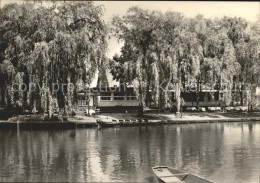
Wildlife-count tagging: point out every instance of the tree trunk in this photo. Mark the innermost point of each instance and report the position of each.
(251, 99)
(241, 96)
(178, 91)
(146, 65)
(198, 93)
(178, 97)
(148, 96)
(2, 96)
(140, 108)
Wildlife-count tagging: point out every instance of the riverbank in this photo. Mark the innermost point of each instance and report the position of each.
(126, 119)
(36, 122)
(187, 118)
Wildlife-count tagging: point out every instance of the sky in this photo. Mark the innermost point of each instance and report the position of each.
(247, 10)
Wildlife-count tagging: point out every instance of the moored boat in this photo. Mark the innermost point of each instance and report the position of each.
(103, 124)
(166, 174)
(106, 121)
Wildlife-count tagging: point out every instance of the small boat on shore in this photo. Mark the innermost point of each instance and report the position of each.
(106, 121)
(102, 124)
(166, 174)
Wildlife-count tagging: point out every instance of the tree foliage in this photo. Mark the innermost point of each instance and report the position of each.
(49, 46)
(164, 48)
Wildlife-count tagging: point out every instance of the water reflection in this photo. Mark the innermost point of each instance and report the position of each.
(222, 152)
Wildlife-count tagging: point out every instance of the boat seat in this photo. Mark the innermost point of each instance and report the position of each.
(177, 174)
(182, 175)
(171, 179)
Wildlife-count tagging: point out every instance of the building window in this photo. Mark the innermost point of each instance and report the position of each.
(119, 96)
(105, 96)
(202, 97)
(81, 101)
(216, 96)
(188, 97)
(131, 96)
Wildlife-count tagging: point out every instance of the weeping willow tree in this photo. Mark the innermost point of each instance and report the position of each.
(220, 64)
(178, 55)
(227, 56)
(245, 40)
(160, 49)
(136, 30)
(51, 49)
(253, 53)
(7, 76)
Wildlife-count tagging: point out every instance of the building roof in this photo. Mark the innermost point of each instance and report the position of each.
(104, 77)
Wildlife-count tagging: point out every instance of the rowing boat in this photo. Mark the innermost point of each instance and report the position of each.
(166, 174)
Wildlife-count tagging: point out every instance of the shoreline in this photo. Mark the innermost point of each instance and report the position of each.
(122, 119)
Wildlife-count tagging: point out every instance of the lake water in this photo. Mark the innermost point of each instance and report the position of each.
(221, 152)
